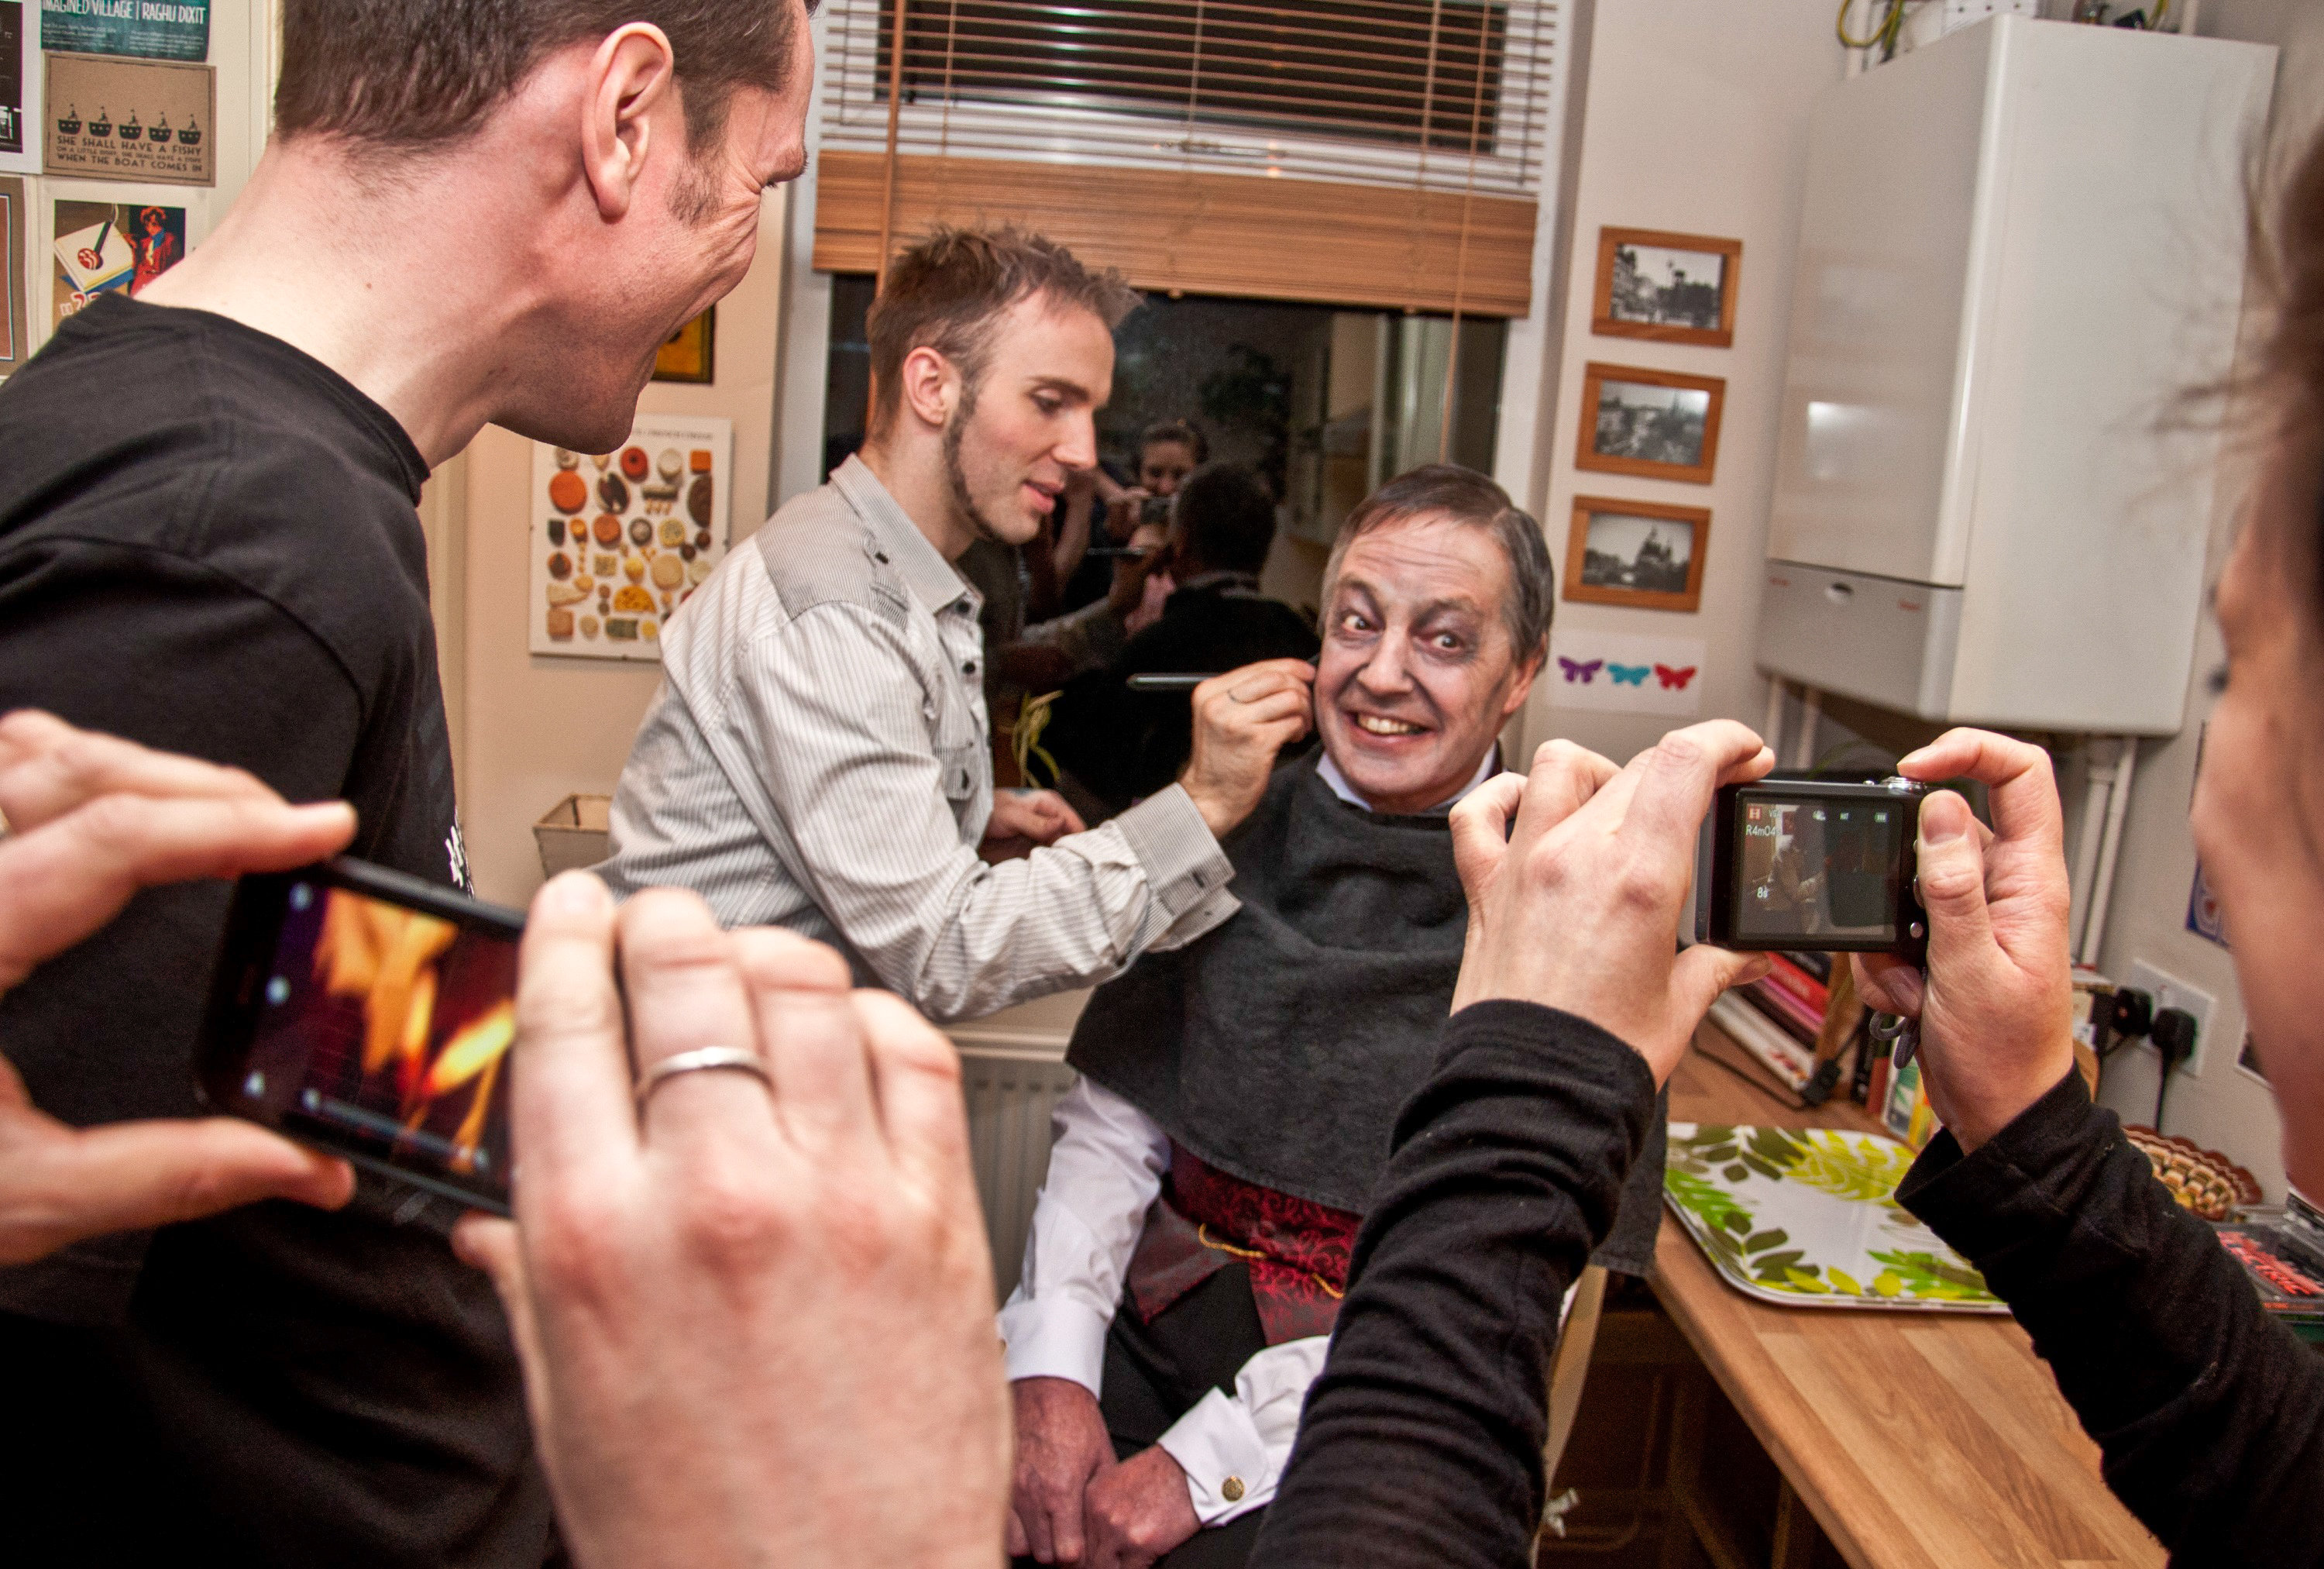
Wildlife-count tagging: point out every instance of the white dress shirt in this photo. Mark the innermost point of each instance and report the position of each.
(1106, 1163)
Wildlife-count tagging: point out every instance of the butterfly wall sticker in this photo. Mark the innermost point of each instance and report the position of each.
(1626, 673)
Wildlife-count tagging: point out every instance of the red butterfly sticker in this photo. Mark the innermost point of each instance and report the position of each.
(1673, 680)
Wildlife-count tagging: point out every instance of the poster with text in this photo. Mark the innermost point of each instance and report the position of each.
(1617, 673)
(131, 119)
(20, 87)
(99, 238)
(620, 539)
(145, 29)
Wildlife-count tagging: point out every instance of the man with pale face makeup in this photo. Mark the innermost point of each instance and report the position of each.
(1237, 1094)
(819, 754)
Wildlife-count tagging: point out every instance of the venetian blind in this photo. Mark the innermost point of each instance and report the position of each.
(1381, 152)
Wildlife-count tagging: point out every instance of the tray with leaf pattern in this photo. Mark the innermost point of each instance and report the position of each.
(1808, 1217)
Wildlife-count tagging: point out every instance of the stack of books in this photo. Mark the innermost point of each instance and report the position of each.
(1781, 1020)
(1794, 994)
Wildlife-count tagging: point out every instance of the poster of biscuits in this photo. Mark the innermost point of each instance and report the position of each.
(621, 539)
(131, 119)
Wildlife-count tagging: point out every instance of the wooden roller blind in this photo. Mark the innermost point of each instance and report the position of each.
(1376, 152)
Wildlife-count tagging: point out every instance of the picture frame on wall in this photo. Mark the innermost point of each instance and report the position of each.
(1649, 424)
(691, 355)
(1642, 555)
(15, 288)
(20, 86)
(1670, 288)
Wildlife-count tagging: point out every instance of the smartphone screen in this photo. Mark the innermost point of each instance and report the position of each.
(1807, 868)
(361, 1019)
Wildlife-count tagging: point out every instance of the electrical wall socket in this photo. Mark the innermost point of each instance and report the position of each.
(2170, 991)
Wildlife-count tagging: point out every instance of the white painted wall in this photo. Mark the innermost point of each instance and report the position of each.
(1695, 120)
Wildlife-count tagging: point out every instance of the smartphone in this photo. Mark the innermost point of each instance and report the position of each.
(369, 1014)
(1810, 864)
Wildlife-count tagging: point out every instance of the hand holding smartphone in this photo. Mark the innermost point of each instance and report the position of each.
(371, 1015)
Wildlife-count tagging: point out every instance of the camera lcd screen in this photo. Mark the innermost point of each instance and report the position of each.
(1805, 869)
(384, 1031)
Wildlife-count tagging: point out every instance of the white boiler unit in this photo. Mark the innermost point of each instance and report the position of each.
(2021, 253)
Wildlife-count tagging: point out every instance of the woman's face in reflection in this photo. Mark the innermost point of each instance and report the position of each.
(1164, 466)
(1417, 674)
(2259, 804)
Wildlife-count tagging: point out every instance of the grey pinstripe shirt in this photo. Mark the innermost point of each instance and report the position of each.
(817, 757)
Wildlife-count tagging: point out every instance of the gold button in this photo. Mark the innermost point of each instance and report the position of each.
(1232, 1490)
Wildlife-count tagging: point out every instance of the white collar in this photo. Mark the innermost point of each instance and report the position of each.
(1342, 788)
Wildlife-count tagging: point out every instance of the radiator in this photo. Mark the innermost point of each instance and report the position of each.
(1010, 1095)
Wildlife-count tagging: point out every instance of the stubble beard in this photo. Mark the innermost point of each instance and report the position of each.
(956, 476)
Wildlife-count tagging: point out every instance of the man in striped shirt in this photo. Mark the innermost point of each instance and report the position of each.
(818, 755)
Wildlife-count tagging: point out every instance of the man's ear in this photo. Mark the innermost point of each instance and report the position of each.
(630, 75)
(930, 385)
(1523, 685)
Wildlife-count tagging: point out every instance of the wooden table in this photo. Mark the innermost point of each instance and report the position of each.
(1935, 1440)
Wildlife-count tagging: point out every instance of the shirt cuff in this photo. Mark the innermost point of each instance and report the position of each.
(1219, 1448)
(1182, 862)
(1055, 1337)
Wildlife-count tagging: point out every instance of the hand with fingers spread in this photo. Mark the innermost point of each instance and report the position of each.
(92, 819)
(1608, 854)
(1061, 1445)
(1997, 1014)
(755, 1315)
(1242, 720)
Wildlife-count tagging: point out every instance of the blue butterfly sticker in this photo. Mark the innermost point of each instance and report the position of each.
(1575, 670)
(1635, 675)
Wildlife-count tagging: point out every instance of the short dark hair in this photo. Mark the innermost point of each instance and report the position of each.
(414, 74)
(1186, 432)
(1226, 518)
(1470, 498)
(945, 293)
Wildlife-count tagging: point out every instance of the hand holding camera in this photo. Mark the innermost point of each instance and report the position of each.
(1603, 853)
(1996, 1012)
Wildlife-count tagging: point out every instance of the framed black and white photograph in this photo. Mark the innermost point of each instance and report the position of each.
(1667, 287)
(16, 291)
(1654, 424)
(1644, 555)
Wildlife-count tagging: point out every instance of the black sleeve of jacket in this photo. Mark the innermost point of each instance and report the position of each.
(1421, 1440)
(2210, 1414)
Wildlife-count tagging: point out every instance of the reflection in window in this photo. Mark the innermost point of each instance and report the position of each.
(1314, 407)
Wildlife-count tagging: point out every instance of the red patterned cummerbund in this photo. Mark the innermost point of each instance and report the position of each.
(1295, 1249)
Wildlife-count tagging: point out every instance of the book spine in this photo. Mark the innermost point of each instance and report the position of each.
(1789, 977)
(1787, 1011)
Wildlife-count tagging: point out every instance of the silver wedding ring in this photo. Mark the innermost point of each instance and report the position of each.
(701, 1060)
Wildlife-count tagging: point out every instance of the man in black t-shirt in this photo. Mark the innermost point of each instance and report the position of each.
(468, 213)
